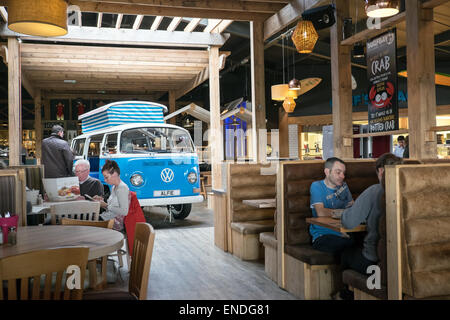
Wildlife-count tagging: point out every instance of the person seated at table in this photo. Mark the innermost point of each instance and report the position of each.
(88, 185)
(366, 209)
(117, 204)
(328, 195)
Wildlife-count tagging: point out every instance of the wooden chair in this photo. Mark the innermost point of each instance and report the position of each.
(23, 274)
(144, 239)
(92, 264)
(88, 210)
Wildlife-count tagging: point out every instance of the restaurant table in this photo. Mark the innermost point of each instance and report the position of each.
(261, 203)
(100, 241)
(46, 205)
(334, 224)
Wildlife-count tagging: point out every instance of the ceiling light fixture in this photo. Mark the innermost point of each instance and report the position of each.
(305, 36)
(382, 8)
(43, 18)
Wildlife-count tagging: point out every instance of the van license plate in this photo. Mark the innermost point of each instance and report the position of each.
(166, 193)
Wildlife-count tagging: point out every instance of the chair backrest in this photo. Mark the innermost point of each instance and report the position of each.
(134, 216)
(33, 175)
(12, 192)
(80, 210)
(108, 224)
(144, 240)
(23, 274)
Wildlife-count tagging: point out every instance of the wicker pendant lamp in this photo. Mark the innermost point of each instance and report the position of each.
(382, 8)
(305, 36)
(44, 18)
(289, 104)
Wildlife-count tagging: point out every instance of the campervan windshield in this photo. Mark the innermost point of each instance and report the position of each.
(155, 139)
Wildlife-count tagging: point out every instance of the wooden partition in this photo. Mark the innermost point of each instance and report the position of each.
(12, 192)
(418, 231)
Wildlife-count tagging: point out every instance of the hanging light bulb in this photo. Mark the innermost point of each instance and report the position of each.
(305, 36)
(382, 8)
(294, 84)
(289, 104)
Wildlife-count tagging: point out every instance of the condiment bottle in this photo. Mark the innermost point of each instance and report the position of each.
(1, 236)
(12, 236)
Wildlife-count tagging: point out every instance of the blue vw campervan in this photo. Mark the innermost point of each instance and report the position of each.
(156, 160)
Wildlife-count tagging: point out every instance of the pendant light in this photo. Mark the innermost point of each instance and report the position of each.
(289, 104)
(382, 8)
(44, 18)
(294, 84)
(305, 36)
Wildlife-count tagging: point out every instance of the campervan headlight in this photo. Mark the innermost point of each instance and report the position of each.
(192, 177)
(136, 180)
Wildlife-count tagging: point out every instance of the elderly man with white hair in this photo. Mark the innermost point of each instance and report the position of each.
(88, 185)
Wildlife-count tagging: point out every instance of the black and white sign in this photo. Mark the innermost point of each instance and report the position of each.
(382, 76)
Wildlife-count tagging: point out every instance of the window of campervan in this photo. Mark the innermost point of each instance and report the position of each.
(155, 139)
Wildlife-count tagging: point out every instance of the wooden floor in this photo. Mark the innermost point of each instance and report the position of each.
(186, 265)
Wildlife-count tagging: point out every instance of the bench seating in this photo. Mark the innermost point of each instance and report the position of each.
(247, 222)
(270, 254)
(309, 273)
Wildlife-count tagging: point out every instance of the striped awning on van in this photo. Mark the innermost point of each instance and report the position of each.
(124, 112)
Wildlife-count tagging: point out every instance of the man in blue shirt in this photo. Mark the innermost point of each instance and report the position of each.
(328, 196)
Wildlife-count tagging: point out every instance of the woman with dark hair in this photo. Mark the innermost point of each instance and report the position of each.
(118, 202)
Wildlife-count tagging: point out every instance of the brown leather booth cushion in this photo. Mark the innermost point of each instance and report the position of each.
(253, 227)
(307, 254)
(359, 281)
(268, 238)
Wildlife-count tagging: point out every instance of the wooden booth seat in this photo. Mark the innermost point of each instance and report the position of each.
(309, 273)
(421, 193)
(246, 223)
(270, 254)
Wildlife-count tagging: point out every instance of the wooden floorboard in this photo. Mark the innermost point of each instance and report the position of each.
(187, 265)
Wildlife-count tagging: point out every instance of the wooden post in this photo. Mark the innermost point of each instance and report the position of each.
(38, 123)
(258, 89)
(421, 81)
(47, 109)
(284, 133)
(14, 102)
(215, 132)
(341, 85)
(172, 106)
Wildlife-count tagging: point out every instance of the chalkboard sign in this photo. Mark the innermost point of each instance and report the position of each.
(382, 76)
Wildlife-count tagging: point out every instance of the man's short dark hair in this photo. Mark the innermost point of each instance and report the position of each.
(387, 159)
(401, 138)
(57, 129)
(331, 161)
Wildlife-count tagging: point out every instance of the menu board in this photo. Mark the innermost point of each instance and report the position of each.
(382, 76)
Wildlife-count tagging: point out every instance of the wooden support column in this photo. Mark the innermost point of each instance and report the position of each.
(421, 81)
(14, 102)
(341, 85)
(47, 109)
(284, 133)
(38, 124)
(215, 132)
(258, 90)
(172, 106)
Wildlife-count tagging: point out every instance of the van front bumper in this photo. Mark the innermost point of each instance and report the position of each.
(167, 201)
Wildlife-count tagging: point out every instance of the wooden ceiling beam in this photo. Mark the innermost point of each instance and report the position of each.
(138, 21)
(39, 75)
(287, 15)
(99, 19)
(174, 24)
(192, 25)
(218, 12)
(129, 37)
(203, 5)
(119, 21)
(156, 23)
(118, 70)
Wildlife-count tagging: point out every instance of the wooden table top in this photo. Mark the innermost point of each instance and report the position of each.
(261, 203)
(45, 206)
(101, 241)
(334, 224)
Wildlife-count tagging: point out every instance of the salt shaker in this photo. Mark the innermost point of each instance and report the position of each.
(12, 236)
(1, 236)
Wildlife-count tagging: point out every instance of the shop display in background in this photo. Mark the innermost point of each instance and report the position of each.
(312, 144)
(443, 145)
